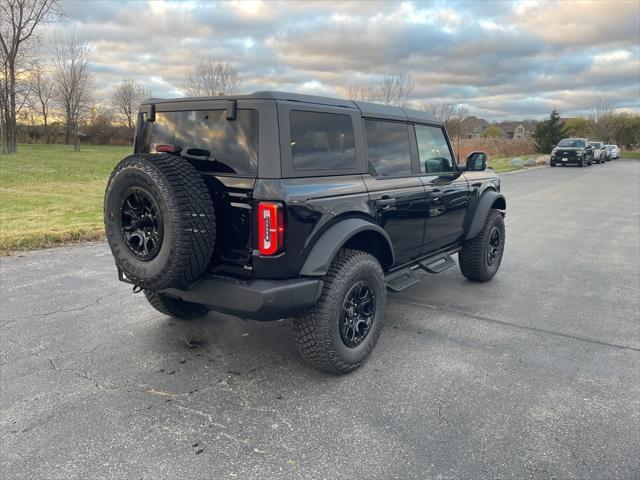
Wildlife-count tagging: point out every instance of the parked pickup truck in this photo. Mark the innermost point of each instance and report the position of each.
(275, 205)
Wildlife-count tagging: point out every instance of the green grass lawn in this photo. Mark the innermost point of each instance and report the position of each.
(50, 194)
(630, 155)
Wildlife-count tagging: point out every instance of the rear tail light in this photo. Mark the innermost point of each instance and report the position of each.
(270, 228)
(165, 148)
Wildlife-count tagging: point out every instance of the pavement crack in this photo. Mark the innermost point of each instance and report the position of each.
(513, 325)
(62, 310)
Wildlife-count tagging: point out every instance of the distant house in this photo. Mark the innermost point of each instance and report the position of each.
(472, 127)
(518, 130)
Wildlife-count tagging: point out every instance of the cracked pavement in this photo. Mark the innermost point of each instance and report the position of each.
(535, 374)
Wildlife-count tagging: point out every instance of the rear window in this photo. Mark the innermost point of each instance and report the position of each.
(388, 148)
(321, 141)
(207, 137)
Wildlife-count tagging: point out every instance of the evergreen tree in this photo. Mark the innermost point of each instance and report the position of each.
(548, 133)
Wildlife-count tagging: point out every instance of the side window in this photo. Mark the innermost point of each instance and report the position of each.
(388, 147)
(435, 156)
(321, 141)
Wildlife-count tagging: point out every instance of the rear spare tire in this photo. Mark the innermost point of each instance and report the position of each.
(159, 220)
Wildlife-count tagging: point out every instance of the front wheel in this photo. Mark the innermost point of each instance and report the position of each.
(481, 256)
(338, 333)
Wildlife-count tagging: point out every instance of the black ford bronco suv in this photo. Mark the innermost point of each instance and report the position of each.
(274, 205)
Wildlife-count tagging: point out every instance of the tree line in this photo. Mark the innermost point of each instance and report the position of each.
(62, 87)
(42, 81)
(604, 125)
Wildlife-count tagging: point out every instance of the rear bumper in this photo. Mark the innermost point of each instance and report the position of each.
(256, 299)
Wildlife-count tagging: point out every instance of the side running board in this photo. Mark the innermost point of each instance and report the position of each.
(437, 264)
(406, 277)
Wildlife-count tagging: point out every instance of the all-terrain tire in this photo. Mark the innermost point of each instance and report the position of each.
(317, 331)
(185, 208)
(474, 256)
(174, 307)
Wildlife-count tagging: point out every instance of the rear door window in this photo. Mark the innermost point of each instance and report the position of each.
(433, 150)
(388, 148)
(321, 141)
(208, 138)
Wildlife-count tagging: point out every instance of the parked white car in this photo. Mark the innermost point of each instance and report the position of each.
(614, 151)
(600, 154)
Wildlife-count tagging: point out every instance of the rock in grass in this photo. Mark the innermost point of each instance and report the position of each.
(516, 162)
(529, 162)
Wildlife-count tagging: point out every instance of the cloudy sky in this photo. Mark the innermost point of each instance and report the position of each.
(501, 59)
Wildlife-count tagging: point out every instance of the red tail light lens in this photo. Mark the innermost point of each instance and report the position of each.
(165, 148)
(270, 228)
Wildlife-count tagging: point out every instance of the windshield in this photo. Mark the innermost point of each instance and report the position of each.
(571, 143)
(595, 144)
(206, 137)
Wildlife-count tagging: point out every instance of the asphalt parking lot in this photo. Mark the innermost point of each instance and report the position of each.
(535, 374)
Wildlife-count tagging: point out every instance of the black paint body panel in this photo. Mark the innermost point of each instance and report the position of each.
(408, 217)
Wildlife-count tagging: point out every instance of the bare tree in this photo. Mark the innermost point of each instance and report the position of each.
(73, 81)
(363, 93)
(442, 111)
(42, 88)
(603, 121)
(18, 22)
(127, 98)
(396, 88)
(454, 126)
(211, 78)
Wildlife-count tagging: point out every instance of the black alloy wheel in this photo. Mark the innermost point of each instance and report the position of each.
(358, 312)
(494, 245)
(142, 225)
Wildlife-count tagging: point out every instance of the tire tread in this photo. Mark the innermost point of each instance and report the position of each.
(472, 259)
(190, 210)
(313, 328)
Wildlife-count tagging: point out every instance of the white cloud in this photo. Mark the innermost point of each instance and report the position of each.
(502, 59)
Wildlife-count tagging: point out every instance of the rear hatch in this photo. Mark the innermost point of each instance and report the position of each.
(225, 152)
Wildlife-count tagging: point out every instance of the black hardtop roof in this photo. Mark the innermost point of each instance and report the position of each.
(367, 109)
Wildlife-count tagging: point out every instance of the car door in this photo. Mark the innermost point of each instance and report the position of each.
(447, 190)
(396, 194)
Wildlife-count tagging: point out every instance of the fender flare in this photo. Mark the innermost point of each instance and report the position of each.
(483, 206)
(326, 247)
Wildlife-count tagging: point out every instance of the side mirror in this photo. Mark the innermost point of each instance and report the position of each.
(476, 162)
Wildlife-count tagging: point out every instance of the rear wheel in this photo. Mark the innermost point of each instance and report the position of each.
(340, 330)
(481, 256)
(174, 307)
